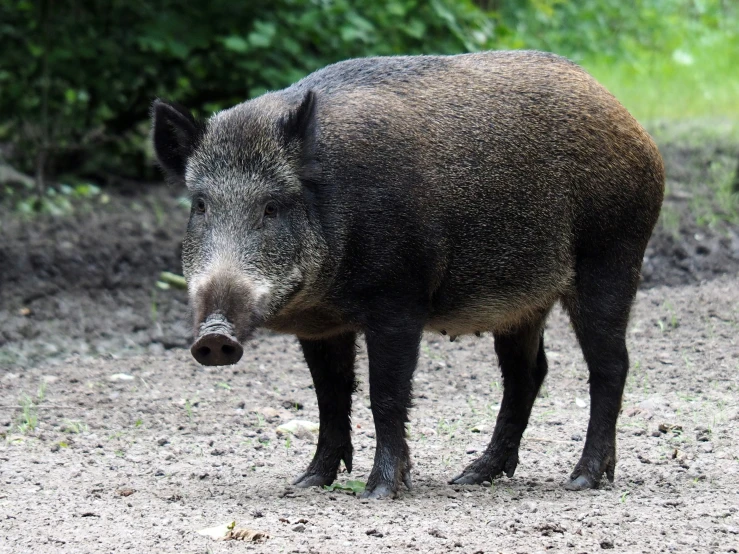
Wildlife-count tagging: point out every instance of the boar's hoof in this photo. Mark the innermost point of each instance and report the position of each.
(216, 349)
(580, 483)
(313, 480)
(383, 490)
(487, 468)
(469, 479)
(587, 474)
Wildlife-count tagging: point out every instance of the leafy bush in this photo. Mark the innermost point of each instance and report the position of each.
(77, 78)
(661, 58)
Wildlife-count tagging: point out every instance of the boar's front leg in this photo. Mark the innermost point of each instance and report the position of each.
(393, 354)
(331, 364)
(524, 366)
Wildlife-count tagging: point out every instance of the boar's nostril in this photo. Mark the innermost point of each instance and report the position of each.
(228, 350)
(216, 349)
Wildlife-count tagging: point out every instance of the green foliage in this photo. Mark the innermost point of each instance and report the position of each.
(77, 78)
(661, 58)
(614, 30)
(55, 200)
(351, 487)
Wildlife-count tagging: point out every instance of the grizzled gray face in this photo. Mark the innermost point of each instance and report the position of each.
(251, 241)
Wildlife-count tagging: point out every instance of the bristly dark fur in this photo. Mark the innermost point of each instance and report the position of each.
(459, 194)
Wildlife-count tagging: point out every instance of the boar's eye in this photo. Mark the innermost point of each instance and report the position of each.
(199, 205)
(270, 210)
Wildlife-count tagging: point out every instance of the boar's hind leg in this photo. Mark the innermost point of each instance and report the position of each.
(393, 354)
(599, 310)
(331, 364)
(524, 366)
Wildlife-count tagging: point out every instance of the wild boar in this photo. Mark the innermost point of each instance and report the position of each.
(388, 196)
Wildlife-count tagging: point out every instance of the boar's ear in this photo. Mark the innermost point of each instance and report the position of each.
(176, 134)
(295, 124)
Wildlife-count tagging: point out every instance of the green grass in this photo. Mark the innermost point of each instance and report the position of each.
(694, 81)
(74, 426)
(188, 409)
(28, 420)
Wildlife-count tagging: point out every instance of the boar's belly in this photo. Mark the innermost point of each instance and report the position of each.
(496, 311)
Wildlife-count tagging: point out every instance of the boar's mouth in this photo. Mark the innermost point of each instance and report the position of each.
(217, 343)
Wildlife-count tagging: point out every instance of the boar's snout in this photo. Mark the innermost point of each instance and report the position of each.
(226, 309)
(215, 349)
(216, 344)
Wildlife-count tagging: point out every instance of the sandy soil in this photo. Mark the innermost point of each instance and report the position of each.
(198, 447)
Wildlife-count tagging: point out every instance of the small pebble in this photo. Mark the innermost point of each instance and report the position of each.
(702, 434)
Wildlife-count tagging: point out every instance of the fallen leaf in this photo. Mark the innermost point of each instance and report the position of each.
(127, 491)
(665, 427)
(219, 531)
(245, 535)
(354, 487)
(297, 427)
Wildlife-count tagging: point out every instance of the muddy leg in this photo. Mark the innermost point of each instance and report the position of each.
(331, 364)
(599, 311)
(524, 366)
(392, 359)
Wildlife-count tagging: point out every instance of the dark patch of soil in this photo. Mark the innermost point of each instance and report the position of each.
(690, 255)
(694, 241)
(85, 283)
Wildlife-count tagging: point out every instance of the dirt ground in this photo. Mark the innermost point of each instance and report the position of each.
(113, 439)
(199, 448)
